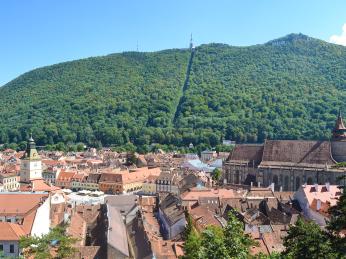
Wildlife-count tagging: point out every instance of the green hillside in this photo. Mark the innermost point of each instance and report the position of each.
(288, 88)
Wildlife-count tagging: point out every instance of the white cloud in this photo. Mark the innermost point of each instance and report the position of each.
(339, 39)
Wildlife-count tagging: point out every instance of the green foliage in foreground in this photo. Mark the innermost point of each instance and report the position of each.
(216, 242)
(289, 88)
(306, 240)
(41, 247)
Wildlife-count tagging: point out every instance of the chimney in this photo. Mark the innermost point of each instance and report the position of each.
(259, 184)
(328, 186)
(316, 187)
(251, 184)
(280, 188)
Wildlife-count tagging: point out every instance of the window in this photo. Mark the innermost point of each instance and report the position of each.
(1, 247)
(11, 249)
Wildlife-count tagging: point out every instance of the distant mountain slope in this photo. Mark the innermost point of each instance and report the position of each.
(287, 88)
(92, 99)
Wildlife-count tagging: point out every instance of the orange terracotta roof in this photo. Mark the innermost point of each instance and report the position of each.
(50, 162)
(323, 209)
(140, 174)
(204, 216)
(39, 185)
(77, 228)
(19, 204)
(148, 201)
(86, 252)
(78, 176)
(65, 176)
(57, 213)
(196, 194)
(28, 221)
(10, 231)
(259, 246)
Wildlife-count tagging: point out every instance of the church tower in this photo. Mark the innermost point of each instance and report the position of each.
(31, 166)
(339, 140)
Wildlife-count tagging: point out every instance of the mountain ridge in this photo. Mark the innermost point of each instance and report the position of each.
(294, 36)
(290, 87)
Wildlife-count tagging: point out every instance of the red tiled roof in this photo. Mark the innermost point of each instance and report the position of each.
(195, 194)
(50, 162)
(65, 176)
(204, 216)
(77, 228)
(10, 231)
(39, 185)
(19, 204)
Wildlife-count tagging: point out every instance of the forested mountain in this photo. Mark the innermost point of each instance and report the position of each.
(289, 88)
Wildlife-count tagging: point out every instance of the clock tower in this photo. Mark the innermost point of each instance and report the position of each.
(31, 166)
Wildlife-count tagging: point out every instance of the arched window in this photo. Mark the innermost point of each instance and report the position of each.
(237, 176)
(310, 181)
(286, 183)
(297, 183)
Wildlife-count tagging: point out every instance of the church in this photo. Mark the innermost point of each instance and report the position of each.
(287, 164)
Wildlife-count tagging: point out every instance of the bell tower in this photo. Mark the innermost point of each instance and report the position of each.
(339, 140)
(31, 165)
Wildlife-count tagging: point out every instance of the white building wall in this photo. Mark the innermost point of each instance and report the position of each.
(317, 217)
(42, 219)
(309, 213)
(30, 169)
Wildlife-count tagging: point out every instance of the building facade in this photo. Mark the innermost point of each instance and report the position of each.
(10, 182)
(287, 164)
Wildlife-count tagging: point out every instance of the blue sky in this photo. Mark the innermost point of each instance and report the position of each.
(35, 33)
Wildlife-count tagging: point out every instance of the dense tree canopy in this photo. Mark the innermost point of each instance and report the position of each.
(288, 88)
(308, 240)
(215, 242)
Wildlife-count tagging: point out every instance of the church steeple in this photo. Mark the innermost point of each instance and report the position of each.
(31, 152)
(339, 131)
